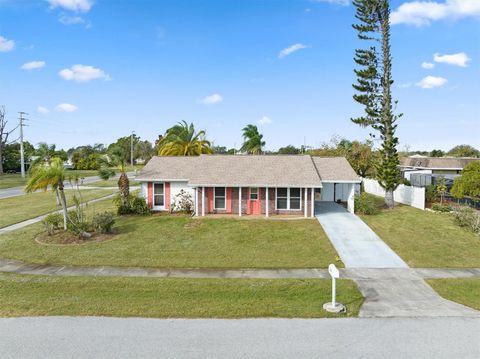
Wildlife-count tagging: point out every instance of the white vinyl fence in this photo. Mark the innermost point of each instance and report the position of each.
(412, 196)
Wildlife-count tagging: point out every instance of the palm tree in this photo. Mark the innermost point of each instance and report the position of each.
(252, 140)
(117, 158)
(182, 140)
(51, 174)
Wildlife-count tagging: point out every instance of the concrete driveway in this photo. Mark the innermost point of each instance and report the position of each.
(357, 245)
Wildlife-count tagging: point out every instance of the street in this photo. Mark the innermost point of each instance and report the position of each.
(96, 337)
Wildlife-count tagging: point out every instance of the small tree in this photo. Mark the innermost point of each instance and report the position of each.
(468, 184)
(4, 134)
(253, 142)
(441, 188)
(116, 158)
(45, 175)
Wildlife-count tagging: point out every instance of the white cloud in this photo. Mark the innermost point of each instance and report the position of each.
(265, 120)
(42, 110)
(71, 20)
(212, 99)
(66, 107)
(430, 82)
(422, 13)
(83, 73)
(336, 2)
(32, 65)
(6, 45)
(291, 49)
(72, 5)
(428, 65)
(461, 59)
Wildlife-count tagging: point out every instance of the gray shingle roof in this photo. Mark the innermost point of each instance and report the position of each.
(240, 170)
(335, 169)
(453, 163)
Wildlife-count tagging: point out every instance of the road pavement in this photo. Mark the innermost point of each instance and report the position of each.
(97, 337)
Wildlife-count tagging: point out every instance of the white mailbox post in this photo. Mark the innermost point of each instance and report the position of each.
(333, 306)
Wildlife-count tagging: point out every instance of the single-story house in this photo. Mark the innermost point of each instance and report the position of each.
(423, 170)
(249, 185)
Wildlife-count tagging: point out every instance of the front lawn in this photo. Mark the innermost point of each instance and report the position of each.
(27, 295)
(183, 242)
(426, 239)
(20, 208)
(461, 290)
(12, 180)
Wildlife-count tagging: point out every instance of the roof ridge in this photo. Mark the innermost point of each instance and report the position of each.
(316, 169)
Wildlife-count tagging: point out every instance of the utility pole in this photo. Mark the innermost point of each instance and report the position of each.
(131, 148)
(22, 158)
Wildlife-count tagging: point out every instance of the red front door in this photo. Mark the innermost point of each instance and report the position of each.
(255, 204)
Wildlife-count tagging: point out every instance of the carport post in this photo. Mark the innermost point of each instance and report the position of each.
(313, 202)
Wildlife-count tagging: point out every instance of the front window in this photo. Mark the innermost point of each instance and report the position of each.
(295, 198)
(158, 194)
(254, 193)
(282, 198)
(289, 198)
(219, 198)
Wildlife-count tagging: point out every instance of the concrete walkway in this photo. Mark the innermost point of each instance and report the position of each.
(355, 242)
(388, 292)
(28, 222)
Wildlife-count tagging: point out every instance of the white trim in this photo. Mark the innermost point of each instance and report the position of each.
(196, 202)
(140, 179)
(288, 199)
(359, 181)
(313, 202)
(305, 205)
(239, 201)
(203, 201)
(224, 198)
(162, 207)
(266, 203)
(258, 185)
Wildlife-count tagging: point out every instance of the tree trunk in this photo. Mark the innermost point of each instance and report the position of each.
(1, 157)
(64, 206)
(389, 202)
(124, 187)
(57, 197)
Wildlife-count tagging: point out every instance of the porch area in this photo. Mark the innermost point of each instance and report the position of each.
(255, 201)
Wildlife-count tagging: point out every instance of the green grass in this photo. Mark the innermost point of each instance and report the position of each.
(461, 290)
(27, 295)
(20, 208)
(426, 239)
(11, 180)
(183, 242)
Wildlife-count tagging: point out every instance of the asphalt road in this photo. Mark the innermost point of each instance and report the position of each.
(69, 337)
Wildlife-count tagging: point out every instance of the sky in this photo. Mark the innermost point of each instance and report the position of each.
(90, 71)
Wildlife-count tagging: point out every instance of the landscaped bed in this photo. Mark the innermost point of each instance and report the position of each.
(426, 239)
(20, 208)
(183, 242)
(461, 290)
(28, 295)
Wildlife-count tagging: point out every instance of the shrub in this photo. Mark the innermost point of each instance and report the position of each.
(439, 207)
(53, 222)
(78, 224)
(138, 205)
(103, 222)
(468, 218)
(183, 202)
(430, 193)
(123, 209)
(365, 204)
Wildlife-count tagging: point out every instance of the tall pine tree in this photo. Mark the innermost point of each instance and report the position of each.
(373, 86)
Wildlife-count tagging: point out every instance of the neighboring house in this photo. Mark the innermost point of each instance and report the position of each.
(423, 171)
(243, 185)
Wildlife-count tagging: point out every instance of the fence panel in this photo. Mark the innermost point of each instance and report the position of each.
(409, 195)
